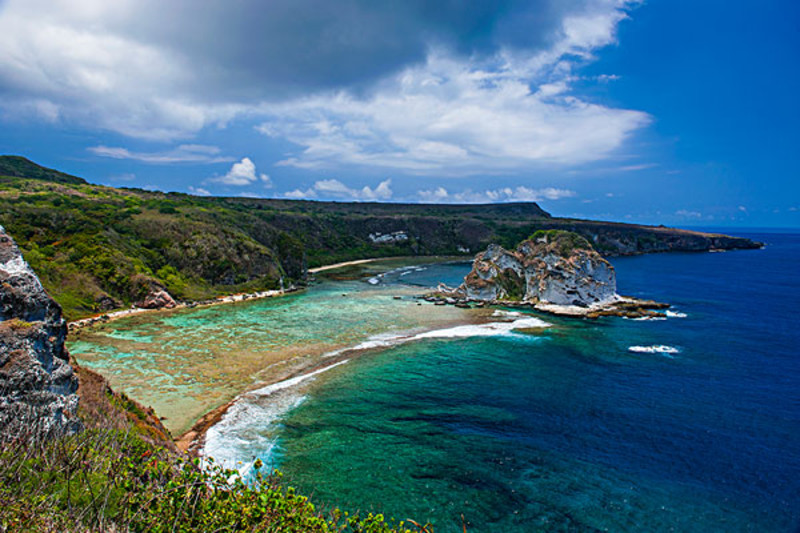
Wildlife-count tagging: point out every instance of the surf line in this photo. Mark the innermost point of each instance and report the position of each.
(193, 441)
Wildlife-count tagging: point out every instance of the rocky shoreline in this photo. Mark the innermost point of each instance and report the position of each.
(623, 306)
(77, 325)
(554, 271)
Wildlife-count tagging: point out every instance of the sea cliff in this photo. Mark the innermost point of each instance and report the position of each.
(555, 271)
(99, 249)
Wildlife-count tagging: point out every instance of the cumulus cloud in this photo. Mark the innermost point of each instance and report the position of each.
(418, 86)
(199, 191)
(332, 188)
(686, 213)
(505, 194)
(243, 173)
(185, 153)
(457, 117)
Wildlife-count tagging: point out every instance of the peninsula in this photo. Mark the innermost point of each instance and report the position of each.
(99, 249)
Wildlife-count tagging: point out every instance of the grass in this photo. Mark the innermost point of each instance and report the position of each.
(123, 474)
(114, 480)
(565, 242)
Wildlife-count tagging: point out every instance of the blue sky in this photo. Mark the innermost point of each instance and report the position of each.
(676, 112)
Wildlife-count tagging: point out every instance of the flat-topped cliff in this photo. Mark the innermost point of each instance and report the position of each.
(99, 249)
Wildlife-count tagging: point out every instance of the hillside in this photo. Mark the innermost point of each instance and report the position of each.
(98, 248)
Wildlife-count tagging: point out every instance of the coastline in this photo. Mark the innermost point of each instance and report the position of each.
(482, 322)
(191, 440)
(227, 299)
(230, 298)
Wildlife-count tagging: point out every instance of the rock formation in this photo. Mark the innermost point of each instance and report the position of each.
(551, 267)
(37, 384)
(158, 299)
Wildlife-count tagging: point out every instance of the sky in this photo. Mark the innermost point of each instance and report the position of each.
(672, 112)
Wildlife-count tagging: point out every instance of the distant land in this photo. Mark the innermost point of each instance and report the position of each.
(99, 248)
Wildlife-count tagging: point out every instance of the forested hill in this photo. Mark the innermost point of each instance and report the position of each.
(97, 248)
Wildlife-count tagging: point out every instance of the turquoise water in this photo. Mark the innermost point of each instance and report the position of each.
(566, 429)
(558, 428)
(185, 363)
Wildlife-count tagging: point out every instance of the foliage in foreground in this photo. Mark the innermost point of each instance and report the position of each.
(113, 480)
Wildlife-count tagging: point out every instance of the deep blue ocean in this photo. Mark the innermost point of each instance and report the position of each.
(566, 429)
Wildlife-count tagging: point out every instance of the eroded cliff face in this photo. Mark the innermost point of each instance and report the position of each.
(37, 384)
(554, 267)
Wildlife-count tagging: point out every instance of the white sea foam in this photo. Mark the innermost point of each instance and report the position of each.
(246, 431)
(490, 329)
(676, 314)
(376, 341)
(649, 318)
(500, 312)
(373, 281)
(661, 349)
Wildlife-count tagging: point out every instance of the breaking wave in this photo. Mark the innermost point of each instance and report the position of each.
(661, 349)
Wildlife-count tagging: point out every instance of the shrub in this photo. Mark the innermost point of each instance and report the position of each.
(102, 480)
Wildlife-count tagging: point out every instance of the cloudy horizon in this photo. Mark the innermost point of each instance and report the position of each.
(579, 105)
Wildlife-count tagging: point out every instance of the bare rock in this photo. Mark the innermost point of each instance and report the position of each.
(552, 267)
(37, 384)
(158, 298)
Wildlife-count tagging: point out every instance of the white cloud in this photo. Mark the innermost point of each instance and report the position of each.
(635, 168)
(688, 214)
(243, 173)
(185, 153)
(450, 118)
(199, 191)
(431, 102)
(138, 69)
(506, 194)
(332, 188)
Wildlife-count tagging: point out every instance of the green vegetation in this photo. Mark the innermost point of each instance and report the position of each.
(113, 480)
(99, 248)
(14, 165)
(565, 242)
(124, 474)
(512, 284)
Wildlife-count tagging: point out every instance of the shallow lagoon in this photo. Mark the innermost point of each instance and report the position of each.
(187, 362)
(563, 428)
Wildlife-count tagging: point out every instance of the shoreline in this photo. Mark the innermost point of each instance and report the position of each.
(81, 323)
(192, 441)
(226, 299)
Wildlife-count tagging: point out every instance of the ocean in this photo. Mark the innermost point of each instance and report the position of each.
(517, 422)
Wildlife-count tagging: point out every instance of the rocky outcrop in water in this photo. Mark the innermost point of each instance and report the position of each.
(552, 267)
(37, 384)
